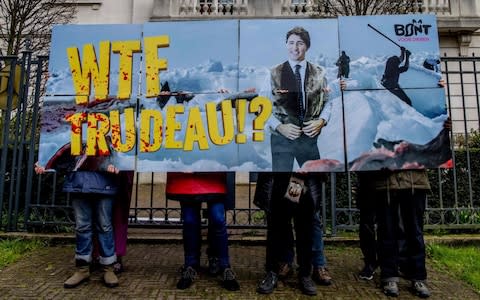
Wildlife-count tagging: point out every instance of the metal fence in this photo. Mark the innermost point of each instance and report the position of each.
(21, 87)
(31, 203)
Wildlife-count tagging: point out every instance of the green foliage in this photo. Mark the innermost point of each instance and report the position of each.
(460, 262)
(472, 140)
(9, 219)
(54, 220)
(460, 175)
(258, 217)
(12, 250)
(469, 217)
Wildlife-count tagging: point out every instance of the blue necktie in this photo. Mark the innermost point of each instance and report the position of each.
(301, 111)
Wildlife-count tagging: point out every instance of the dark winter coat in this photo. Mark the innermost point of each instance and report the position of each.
(398, 180)
(264, 188)
(91, 182)
(84, 174)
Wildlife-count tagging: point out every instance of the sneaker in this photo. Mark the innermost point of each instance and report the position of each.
(390, 288)
(307, 286)
(268, 283)
(187, 277)
(420, 289)
(284, 271)
(321, 276)
(213, 266)
(229, 281)
(367, 272)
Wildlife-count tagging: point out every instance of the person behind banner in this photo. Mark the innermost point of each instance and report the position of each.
(93, 187)
(405, 191)
(367, 232)
(392, 74)
(298, 90)
(280, 238)
(279, 258)
(192, 189)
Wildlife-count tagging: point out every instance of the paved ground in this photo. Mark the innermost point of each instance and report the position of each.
(152, 272)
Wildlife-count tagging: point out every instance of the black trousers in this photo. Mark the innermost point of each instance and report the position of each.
(279, 228)
(367, 233)
(412, 207)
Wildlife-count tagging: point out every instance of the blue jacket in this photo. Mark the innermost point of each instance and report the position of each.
(91, 182)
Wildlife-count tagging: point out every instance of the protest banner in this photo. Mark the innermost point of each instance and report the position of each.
(224, 95)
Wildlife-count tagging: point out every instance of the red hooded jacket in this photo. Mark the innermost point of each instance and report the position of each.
(196, 183)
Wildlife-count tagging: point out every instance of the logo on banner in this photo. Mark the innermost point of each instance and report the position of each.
(416, 31)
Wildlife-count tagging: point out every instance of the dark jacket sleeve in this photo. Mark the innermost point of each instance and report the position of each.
(230, 197)
(314, 184)
(263, 191)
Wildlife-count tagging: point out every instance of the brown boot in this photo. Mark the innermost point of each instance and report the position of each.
(82, 274)
(109, 277)
(321, 276)
(285, 270)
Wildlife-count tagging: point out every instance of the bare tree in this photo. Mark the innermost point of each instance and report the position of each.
(28, 24)
(30, 21)
(367, 7)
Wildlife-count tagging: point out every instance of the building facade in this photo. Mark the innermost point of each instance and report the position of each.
(458, 20)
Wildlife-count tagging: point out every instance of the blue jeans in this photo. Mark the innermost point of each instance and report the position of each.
(93, 210)
(318, 257)
(192, 238)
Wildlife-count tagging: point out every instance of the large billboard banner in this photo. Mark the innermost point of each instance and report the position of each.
(248, 95)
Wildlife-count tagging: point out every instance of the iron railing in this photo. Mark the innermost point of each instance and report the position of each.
(31, 202)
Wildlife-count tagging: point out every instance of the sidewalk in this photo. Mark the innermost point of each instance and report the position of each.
(152, 272)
